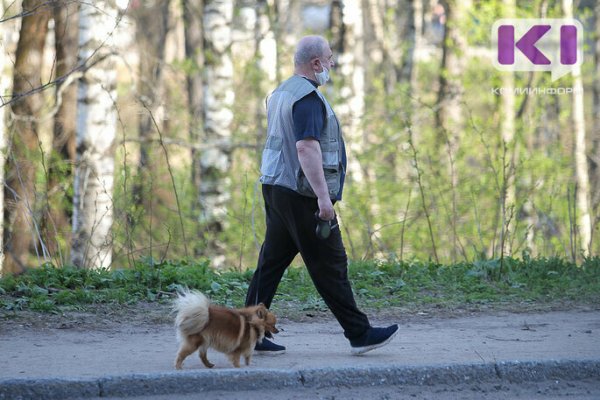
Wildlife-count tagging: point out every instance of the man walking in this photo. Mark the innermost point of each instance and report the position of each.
(303, 171)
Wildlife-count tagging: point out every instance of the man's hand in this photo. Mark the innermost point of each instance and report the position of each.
(309, 154)
(326, 211)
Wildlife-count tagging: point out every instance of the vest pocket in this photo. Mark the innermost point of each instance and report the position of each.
(332, 178)
(330, 154)
(271, 157)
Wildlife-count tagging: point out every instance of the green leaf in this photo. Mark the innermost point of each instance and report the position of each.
(215, 286)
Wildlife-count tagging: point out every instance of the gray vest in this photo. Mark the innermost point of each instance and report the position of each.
(280, 165)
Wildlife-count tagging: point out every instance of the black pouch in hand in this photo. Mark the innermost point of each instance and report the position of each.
(324, 228)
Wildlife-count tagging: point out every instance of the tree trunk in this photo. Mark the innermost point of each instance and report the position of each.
(266, 47)
(507, 128)
(450, 92)
(266, 58)
(595, 165)
(150, 45)
(375, 50)
(454, 46)
(151, 27)
(275, 10)
(419, 23)
(194, 53)
(58, 209)
(4, 90)
(152, 24)
(348, 46)
(287, 26)
(406, 18)
(19, 190)
(581, 164)
(96, 129)
(449, 115)
(215, 161)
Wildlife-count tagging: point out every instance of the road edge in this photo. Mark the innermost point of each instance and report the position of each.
(186, 382)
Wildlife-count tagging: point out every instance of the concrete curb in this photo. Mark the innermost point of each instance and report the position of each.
(245, 380)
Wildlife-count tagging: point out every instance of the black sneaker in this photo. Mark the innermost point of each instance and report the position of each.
(268, 348)
(373, 339)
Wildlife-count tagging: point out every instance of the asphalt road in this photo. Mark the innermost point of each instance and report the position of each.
(547, 390)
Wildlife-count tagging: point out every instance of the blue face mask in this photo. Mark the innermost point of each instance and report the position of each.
(322, 77)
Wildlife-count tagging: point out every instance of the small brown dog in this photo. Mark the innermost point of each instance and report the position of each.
(235, 332)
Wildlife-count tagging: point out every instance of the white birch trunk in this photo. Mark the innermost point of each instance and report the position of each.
(4, 90)
(267, 45)
(219, 96)
(194, 52)
(266, 55)
(351, 67)
(418, 18)
(581, 164)
(96, 129)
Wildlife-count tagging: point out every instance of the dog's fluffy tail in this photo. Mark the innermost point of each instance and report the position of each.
(192, 312)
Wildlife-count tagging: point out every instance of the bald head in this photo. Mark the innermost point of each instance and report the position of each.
(308, 48)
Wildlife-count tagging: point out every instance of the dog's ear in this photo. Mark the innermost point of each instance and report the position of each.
(261, 312)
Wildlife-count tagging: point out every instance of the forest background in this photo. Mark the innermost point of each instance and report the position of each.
(134, 129)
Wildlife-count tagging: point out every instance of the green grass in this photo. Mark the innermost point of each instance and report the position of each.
(378, 285)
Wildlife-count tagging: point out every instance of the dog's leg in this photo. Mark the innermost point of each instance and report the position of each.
(185, 350)
(203, 346)
(204, 359)
(247, 355)
(235, 358)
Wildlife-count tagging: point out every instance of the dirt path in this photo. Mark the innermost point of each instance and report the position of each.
(82, 345)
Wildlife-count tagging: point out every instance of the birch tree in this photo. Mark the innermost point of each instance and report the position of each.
(96, 129)
(215, 160)
(266, 59)
(194, 54)
(581, 164)
(507, 128)
(21, 226)
(596, 124)
(254, 35)
(59, 206)
(4, 90)
(350, 51)
(266, 44)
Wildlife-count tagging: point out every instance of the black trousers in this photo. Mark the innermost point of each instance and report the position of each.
(291, 226)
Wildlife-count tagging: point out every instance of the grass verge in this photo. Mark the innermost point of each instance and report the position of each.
(378, 285)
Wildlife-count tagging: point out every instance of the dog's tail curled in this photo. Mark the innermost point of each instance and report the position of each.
(192, 312)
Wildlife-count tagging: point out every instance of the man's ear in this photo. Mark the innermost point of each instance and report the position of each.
(315, 64)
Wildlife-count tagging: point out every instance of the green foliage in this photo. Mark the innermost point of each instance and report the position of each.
(383, 214)
(47, 288)
(376, 284)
